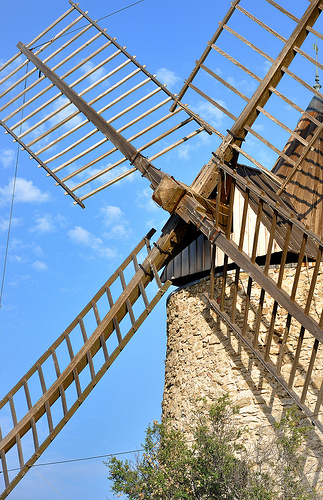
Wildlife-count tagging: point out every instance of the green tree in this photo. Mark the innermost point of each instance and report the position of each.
(210, 462)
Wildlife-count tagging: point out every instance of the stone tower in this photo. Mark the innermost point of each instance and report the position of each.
(207, 358)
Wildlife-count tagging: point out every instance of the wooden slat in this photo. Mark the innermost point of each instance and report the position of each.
(33, 425)
(141, 286)
(236, 63)
(47, 407)
(240, 247)
(61, 389)
(96, 313)
(284, 11)
(224, 82)
(282, 125)
(309, 370)
(18, 441)
(248, 43)
(4, 465)
(261, 23)
(213, 102)
(85, 338)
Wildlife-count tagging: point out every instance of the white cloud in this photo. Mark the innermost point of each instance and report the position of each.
(266, 66)
(168, 77)
(184, 151)
(94, 76)
(211, 113)
(26, 192)
(65, 113)
(243, 85)
(119, 227)
(44, 224)
(4, 223)
(145, 201)
(7, 157)
(83, 237)
(38, 265)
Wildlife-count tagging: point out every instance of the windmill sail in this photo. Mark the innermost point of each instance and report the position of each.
(121, 90)
(71, 367)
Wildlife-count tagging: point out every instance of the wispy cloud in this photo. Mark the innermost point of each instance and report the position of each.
(39, 266)
(248, 86)
(99, 73)
(145, 201)
(7, 157)
(26, 192)
(65, 113)
(168, 77)
(44, 224)
(83, 237)
(114, 220)
(266, 66)
(211, 113)
(4, 223)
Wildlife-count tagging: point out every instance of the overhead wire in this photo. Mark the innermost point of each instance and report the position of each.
(12, 197)
(82, 459)
(50, 484)
(84, 26)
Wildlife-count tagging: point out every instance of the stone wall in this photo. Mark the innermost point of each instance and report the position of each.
(205, 358)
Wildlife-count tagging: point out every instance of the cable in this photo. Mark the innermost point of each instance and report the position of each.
(81, 27)
(80, 459)
(50, 484)
(12, 198)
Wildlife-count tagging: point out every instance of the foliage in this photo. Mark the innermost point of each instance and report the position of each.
(213, 463)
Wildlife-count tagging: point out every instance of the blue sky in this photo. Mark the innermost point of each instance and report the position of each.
(60, 255)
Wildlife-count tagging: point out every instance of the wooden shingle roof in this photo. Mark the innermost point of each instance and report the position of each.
(306, 187)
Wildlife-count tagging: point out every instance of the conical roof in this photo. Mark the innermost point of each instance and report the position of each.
(306, 187)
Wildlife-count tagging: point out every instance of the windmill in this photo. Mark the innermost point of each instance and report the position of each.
(47, 72)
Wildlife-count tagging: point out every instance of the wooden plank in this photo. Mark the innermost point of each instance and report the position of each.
(85, 338)
(240, 247)
(47, 407)
(248, 43)
(213, 256)
(61, 389)
(270, 145)
(96, 312)
(236, 63)
(18, 441)
(141, 286)
(284, 11)
(4, 466)
(282, 125)
(261, 23)
(33, 425)
(296, 357)
(224, 82)
(309, 370)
